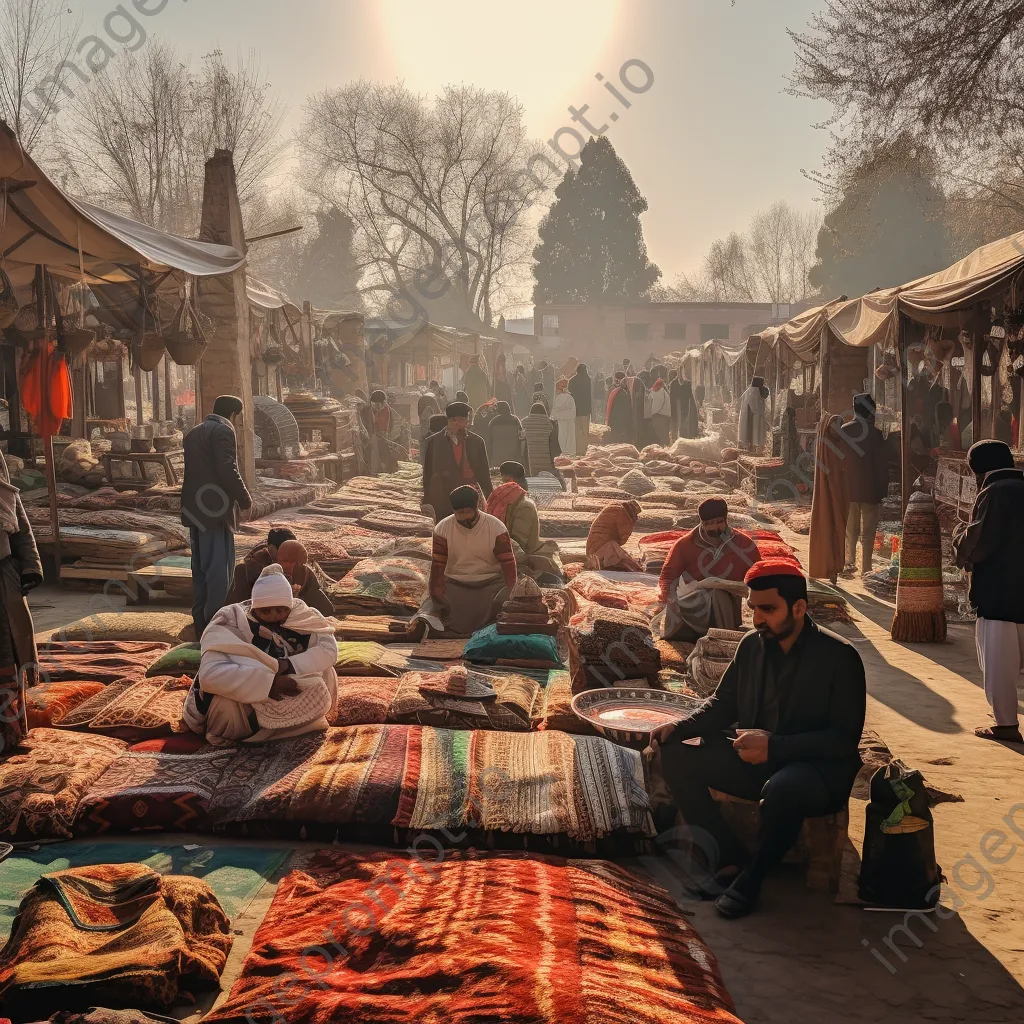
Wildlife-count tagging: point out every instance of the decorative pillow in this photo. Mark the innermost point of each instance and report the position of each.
(182, 660)
(163, 626)
(553, 711)
(48, 703)
(42, 782)
(143, 791)
(147, 709)
(487, 647)
(84, 713)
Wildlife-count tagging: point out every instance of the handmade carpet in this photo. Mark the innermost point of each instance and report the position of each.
(153, 792)
(440, 650)
(368, 658)
(114, 934)
(553, 708)
(79, 717)
(612, 644)
(42, 782)
(381, 629)
(510, 709)
(380, 585)
(346, 776)
(477, 937)
(637, 596)
(100, 661)
(147, 709)
(48, 703)
(920, 606)
(126, 625)
(364, 700)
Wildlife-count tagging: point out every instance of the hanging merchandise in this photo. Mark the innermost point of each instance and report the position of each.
(8, 303)
(46, 393)
(186, 338)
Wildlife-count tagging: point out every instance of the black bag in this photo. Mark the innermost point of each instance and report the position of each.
(898, 868)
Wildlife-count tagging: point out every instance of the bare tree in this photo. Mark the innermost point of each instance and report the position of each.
(139, 137)
(768, 263)
(439, 193)
(918, 64)
(36, 39)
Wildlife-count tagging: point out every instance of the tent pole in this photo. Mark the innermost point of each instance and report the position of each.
(905, 465)
(51, 488)
(976, 427)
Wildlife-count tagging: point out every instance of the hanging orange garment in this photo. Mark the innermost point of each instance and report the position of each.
(46, 393)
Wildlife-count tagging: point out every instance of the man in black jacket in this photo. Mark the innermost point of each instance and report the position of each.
(451, 458)
(866, 464)
(211, 494)
(581, 389)
(784, 728)
(991, 547)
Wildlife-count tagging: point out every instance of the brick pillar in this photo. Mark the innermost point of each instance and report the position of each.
(226, 367)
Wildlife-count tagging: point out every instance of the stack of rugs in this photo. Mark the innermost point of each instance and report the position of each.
(526, 612)
(394, 584)
(609, 645)
(711, 656)
(628, 591)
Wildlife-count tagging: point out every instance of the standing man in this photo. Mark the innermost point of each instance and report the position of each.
(752, 430)
(581, 387)
(783, 728)
(452, 458)
(991, 548)
(211, 495)
(867, 469)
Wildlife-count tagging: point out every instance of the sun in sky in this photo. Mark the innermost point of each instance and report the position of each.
(535, 49)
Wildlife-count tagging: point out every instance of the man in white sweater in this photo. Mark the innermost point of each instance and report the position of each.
(267, 668)
(472, 568)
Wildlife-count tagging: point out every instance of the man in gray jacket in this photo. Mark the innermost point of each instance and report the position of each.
(866, 465)
(211, 494)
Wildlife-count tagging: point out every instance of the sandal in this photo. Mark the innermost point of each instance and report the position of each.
(1000, 734)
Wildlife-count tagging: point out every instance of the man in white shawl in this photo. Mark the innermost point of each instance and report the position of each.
(752, 429)
(563, 412)
(267, 668)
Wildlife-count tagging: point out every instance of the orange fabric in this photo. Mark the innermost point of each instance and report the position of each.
(830, 504)
(46, 393)
(613, 523)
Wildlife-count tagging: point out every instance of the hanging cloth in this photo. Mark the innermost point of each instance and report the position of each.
(46, 388)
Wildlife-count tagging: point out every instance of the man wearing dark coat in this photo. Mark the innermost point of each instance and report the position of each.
(505, 440)
(211, 494)
(866, 465)
(452, 458)
(784, 728)
(580, 387)
(619, 412)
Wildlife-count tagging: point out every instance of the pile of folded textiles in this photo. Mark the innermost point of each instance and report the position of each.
(113, 935)
(566, 524)
(526, 612)
(711, 656)
(639, 593)
(100, 661)
(513, 923)
(612, 644)
(391, 583)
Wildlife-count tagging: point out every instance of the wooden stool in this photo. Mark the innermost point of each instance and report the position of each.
(820, 846)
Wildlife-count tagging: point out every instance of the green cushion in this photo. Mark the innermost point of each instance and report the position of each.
(179, 661)
(486, 646)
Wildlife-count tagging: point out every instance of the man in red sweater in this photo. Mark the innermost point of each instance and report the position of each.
(702, 581)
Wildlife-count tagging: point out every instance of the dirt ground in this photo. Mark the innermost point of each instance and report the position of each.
(801, 958)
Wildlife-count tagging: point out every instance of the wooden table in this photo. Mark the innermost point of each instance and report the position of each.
(142, 582)
(140, 459)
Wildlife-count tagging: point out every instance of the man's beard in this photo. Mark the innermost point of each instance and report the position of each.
(468, 524)
(767, 633)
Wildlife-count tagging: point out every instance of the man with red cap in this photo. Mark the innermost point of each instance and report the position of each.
(702, 579)
(783, 728)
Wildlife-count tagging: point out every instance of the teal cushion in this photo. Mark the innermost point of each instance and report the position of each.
(486, 646)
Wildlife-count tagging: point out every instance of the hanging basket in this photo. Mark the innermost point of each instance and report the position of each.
(78, 339)
(107, 349)
(273, 355)
(26, 320)
(150, 352)
(186, 338)
(8, 303)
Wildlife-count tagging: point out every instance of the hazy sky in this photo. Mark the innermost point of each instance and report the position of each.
(713, 140)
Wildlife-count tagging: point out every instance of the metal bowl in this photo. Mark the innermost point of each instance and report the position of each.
(629, 715)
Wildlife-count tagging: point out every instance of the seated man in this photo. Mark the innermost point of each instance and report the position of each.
(694, 602)
(267, 668)
(454, 457)
(281, 547)
(510, 503)
(608, 533)
(784, 728)
(472, 569)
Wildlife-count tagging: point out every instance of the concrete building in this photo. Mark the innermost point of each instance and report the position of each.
(605, 333)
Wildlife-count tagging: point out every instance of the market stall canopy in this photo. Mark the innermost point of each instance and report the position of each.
(803, 333)
(41, 225)
(729, 350)
(269, 300)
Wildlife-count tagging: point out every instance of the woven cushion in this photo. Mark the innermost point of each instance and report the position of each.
(42, 782)
(147, 709)
(182, 660)
(49, 703)
(487, 647)
(163, 626)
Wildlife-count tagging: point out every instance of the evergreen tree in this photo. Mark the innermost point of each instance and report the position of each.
(888, 225)
(325, 271)
(591, 242)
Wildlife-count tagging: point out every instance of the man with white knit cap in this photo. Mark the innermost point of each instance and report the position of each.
(267, 668)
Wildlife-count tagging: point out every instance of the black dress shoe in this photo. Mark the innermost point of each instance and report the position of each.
(739, 899)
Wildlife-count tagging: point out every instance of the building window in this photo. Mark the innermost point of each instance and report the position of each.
(675, 332)
(713, 332)
(550, 325)
(636, 332)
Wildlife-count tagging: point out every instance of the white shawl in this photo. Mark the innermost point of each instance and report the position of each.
(563, 412)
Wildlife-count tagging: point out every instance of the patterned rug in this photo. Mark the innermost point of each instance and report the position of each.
(440, 650)
(380, 585)
(501, 937)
